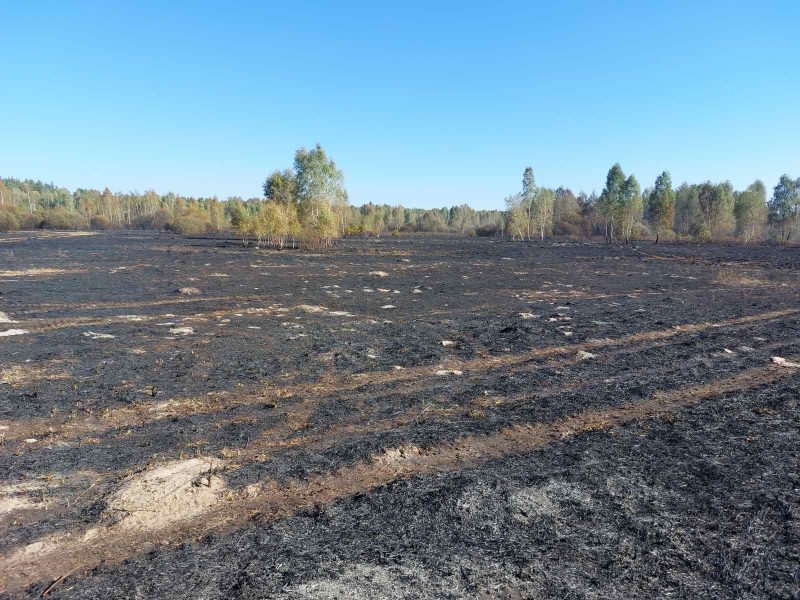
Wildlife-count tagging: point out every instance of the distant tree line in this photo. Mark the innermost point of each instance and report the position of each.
(308, 204)
(700, 212)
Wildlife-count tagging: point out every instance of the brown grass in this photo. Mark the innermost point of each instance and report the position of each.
(739, 278)
(18, 375)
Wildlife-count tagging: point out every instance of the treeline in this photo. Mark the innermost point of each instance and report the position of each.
(308, 204)
(28, 204)
(701, 212)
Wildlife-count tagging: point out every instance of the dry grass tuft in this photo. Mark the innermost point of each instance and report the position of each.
(39, 272)
(737, 278)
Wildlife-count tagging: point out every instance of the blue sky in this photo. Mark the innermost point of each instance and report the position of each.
(425, 104)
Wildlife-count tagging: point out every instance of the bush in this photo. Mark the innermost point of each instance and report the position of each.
(61, 218)
(192, 223)
(160, 220)
(566, 229)
(29, 221)
(354, 230)
(701, 233)
(8, 221)
(100, 222)
(642, 232)
(487, 231)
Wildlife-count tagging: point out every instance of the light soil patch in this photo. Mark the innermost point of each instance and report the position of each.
(98, 336)
(189, 291)
(736, 278)
(182, 330)
(321, 310)
(39, 272)
(167, 493)
(24, 374)
(13, 332)
(16, 496)
(366, 582)
(147, 303)
(312, 309)
(782, 362)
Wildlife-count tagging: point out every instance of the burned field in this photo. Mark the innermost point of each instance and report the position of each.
(400, 418)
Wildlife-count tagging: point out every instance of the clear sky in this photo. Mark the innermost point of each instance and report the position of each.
(421, 103)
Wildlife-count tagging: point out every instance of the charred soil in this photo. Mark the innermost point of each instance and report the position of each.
(413, 417)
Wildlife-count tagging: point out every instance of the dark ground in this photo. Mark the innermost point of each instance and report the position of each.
(504, 465)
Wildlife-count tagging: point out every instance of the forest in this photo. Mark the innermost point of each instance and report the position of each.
(308, 204)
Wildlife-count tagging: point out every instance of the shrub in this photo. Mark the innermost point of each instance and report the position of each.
(642, 232)
(61, 218)
(29, 221)
(100, 222)
(566, 229)
(160, 220)
(191, 223)
(701, 232)
(487, 231)
(8, 221)
(354, 230)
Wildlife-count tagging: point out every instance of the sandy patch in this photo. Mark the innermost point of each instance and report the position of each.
(39, 272)
(10, 332)
(189, 291)
(98, 336)
(171, 492)
(782, 362)
(182, 330)
(15, 497)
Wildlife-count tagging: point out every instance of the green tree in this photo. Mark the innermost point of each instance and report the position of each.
(281, 186)
(239, 217)
(716, 209)
(543, 212)
(320, 190)
(784, 207)
(630, 211)
(5, 195)
(565, 206)
(610, 201)
(687, 210)
(528, 199)
(516, 218)
(661, 205)
(750, 210)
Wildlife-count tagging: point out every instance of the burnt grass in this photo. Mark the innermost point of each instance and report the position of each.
(300, 369)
